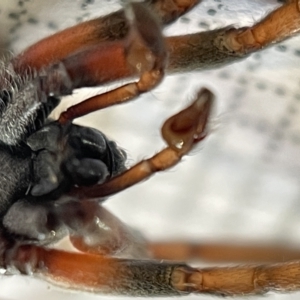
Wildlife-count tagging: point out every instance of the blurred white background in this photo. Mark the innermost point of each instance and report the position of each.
(241, 184)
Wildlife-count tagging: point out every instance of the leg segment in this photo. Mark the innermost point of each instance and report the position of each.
(141, 54)
(100, 274)
(239, 281)
(169, 10)
(221, 252)
(195, 51)
(181, 132)
(210, 49)
(144, 55)
(93, 273)
(204, 50)
(105, 29)
(277, 26)
(60, 45)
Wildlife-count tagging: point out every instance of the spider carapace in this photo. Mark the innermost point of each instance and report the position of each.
(57, 174)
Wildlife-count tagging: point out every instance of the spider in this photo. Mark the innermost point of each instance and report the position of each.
(58, 174)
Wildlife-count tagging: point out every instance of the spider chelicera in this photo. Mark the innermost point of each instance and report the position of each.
(57, 174)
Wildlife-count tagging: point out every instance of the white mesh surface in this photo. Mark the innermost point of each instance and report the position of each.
(241, 184)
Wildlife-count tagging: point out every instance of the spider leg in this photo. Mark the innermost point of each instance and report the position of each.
(101, 274)
(168, 11)
(203, 50)
(62, 44)
(89, 58)
(276, 26)
(221, 252)
(144, 55)
(112, 27)
(210, 49)
(181, 132)
(122, 241)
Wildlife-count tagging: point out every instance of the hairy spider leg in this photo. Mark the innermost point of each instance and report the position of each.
(200, 50)
(93, 229)
(142, 53)
(222, 252)
(275, 27)
(169, 11)
(203, 50)
(210, 49)
(101, 274)
(145, 53)
(98, 231)
(105, 29)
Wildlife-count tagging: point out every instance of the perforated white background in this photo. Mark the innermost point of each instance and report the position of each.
(241, 184)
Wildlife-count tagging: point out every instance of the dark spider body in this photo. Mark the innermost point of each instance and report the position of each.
(41, 160)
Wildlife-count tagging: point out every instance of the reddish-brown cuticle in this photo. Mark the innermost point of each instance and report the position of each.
(186, 279)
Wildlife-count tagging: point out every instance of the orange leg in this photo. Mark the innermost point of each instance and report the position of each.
(221, 252)
(127, 58)
(113, 27)
(181, 132)
(210, 49)
(189, 52)
(141, 54)
(169, 10)
(100, 274)
(142, 51)
(95, 230)
(277, 26)
(60, 45)
(144, 54)
(203, 50)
